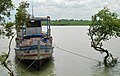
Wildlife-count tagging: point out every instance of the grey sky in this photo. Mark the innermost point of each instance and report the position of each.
(70, 9)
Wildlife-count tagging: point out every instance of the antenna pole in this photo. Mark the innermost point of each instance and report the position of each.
(32, 12)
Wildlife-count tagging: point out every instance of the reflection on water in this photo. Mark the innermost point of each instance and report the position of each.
(104, 71)
(74, 39)
(46, 69)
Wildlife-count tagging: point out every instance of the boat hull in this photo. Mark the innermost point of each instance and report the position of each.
(34, 56)
(37, 64)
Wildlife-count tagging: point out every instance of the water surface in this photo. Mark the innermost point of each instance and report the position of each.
(73, 39)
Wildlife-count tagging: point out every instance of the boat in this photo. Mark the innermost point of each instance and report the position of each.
(33, 43)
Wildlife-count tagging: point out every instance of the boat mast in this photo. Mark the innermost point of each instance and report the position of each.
(32, 12)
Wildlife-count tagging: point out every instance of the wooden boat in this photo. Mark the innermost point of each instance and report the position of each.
(32, 44)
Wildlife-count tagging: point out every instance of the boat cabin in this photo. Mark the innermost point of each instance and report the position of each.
(34, 29)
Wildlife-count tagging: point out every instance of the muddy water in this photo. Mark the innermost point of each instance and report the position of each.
(73, 39)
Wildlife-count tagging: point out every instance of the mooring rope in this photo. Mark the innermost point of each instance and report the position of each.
(29, 66)
(60, 49)
(23, 55)
(76, 53)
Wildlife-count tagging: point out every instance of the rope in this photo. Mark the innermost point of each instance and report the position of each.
(76, 54)
(29, 66)
(22, 58)
(23, 55)
(31, 63)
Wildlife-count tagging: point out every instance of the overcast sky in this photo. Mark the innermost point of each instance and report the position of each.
(70, 9)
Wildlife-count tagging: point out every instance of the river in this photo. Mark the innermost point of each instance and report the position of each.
(73, 39)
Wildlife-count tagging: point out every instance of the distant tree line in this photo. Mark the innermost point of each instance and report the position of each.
(67, 22)
(70, 20)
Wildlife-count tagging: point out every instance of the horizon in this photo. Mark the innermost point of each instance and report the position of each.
(69, 9)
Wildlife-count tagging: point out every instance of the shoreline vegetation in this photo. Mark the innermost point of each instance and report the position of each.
(66, 22)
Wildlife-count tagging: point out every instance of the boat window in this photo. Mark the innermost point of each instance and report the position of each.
(35, 24)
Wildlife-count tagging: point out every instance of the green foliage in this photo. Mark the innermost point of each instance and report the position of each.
(9, 29)
(105, 24)
(3, 57)
(5, 7)
(22, 16)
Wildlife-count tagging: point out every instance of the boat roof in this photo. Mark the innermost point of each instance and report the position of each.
(41, 18)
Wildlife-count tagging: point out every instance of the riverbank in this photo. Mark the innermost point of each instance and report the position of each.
(69, 22)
